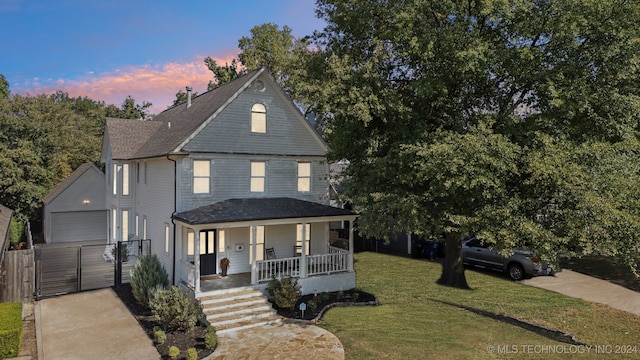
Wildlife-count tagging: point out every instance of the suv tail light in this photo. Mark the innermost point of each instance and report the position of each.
(535, 260)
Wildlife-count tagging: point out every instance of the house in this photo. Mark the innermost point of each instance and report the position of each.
(75, 209)
(5, 222)
(236, 173)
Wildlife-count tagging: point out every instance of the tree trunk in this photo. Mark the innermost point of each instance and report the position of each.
(452, 268)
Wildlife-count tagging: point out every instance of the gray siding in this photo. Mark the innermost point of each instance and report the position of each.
(155, 201)
(288, 133)
(230, 177)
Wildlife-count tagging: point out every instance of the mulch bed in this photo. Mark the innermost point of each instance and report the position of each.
(183, 340)
(316, 305)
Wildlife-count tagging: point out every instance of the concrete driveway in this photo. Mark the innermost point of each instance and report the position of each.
(90, 325)
(588, 288)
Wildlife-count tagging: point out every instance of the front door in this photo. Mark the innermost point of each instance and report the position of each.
(208, 252)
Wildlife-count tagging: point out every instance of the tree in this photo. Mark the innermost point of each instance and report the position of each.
(4, 87)
(483, 118)
(181, 96)
(268, 47)
(129, 110)
(222, 74)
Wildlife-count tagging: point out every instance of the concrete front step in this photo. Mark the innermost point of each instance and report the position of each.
(235, 309)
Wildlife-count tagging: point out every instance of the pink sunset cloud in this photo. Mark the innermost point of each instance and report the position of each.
(157, 84)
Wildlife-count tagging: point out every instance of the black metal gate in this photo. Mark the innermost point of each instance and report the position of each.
(69, 269)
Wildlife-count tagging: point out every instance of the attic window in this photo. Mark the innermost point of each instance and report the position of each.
(258, 119)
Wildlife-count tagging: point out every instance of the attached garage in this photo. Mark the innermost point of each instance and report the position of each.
(75, 210)
(78, 226)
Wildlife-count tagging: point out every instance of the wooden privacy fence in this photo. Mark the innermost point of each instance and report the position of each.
(17, 276)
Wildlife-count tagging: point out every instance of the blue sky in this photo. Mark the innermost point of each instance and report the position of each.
(107, 50)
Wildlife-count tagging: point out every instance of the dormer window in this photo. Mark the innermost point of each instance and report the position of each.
(258, 119)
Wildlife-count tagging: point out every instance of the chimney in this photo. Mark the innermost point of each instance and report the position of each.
(188, 97)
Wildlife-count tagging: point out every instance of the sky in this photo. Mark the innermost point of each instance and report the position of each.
(149, 49)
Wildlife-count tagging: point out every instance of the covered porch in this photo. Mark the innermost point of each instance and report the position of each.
(264, 238)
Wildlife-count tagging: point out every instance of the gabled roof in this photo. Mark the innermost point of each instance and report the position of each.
(169, 130)
(58, 189)
(238, 210)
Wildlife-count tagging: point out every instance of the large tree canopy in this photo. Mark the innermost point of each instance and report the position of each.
(44, 138)
(515, 120)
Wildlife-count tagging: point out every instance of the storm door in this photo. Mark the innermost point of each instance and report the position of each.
(208, 252)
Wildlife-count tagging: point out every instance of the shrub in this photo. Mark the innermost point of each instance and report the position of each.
(147, 277)
(174, 310)
(285, 292)
(159, 336)
(312, 304)
(210, 338)
(192, 354)
(10, 329)
(174, 352)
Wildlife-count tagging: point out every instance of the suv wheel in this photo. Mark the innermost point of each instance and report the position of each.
(516, 272)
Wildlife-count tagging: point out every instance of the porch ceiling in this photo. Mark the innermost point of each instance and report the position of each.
(243, 210)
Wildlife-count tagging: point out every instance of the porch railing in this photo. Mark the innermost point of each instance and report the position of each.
(323, 264)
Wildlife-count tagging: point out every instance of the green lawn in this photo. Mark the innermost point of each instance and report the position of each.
(417, 319)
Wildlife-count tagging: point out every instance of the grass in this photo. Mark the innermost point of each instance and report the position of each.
(417, 319)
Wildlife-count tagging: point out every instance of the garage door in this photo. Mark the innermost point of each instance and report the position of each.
(78, 226)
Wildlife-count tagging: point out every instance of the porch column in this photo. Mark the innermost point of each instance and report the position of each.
(303, 257)
(350, 258)
(252, 242)
(196, 260)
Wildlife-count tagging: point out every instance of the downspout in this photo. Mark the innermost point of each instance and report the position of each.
(175, 199)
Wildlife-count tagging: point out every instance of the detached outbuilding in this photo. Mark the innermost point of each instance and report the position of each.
(75, 210)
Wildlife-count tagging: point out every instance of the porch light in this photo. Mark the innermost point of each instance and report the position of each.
(86, 201)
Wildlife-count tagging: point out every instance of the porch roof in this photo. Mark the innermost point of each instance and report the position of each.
(241, 210)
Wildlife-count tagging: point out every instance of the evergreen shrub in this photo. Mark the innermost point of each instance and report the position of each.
(147, 278)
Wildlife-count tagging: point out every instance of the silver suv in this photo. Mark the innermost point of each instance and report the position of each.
(519, 265)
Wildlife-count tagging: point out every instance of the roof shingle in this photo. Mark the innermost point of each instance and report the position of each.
(237, 210)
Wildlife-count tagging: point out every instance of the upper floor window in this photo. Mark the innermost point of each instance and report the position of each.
(258, 118)
(114, 179)
(201, 176)
(304, 177)
(125, 179)
(258, 174)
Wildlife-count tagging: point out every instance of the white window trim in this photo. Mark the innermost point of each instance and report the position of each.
(258, 119)
(306, 177)
(126, 178)
(166, 238)
(258, 182)
(201, 177)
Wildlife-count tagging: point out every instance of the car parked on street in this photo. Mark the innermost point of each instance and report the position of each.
(521, 264)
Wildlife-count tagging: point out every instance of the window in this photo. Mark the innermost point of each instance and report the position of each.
(207, 242)
(125, 179)
(259, 241)
(125, 225)
(144, 227)
(258, 119)
(201, 176)
(190, 244)
(114, 224)
(166, 238)
(138, 166)
(221, 240)
(304, 234)
(145, 173)
(115, 179)
(304, 177)
(257, 176)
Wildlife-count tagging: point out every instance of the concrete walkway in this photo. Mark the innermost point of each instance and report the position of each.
(90, 325)
(588, 288)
